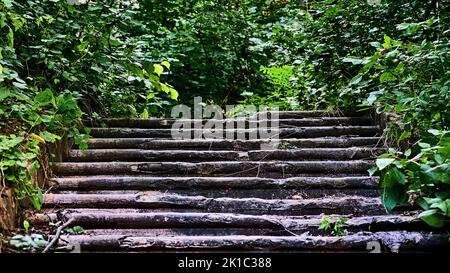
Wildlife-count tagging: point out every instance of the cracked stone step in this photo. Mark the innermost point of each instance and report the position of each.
(224, 144)
(247, 193)
(350, 204)
(300, 132)
(115, 182)
(122, 219)
(188, 232)
(150, 155)
(103, 155)
(393, 241)
(310, 114)
(232, 123)
(227, 168)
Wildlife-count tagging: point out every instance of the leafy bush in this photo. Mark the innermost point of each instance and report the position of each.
(419, 175)
(29, 123)
(335, 227)
(393, 57)
(59, 61)
(409, 76)
(284, 93)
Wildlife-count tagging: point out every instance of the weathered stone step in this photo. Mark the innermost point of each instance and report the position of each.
(316, 153)
(341, 205)
(246, 193)
(300, 132)
(189, 232)
(228, 168)
(102, 155)
(233, 123)
(310, 114)
(224, 144)
(115, 182)
(393, 241)
(123, 219)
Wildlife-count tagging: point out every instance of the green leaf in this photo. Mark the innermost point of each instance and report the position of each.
(393, 196)
(144, 114)
(76, 230)
(37, 199)
(8, 3)
(434, 132)
(4, 93)
(397, 176)
(432, 218)
(10, 38)
(423, 203)
(44, 97)
(404, 135)
(439, 173)
(387, 76)
(409, 28)
(20, 85)
(158, 69)
(384, 162)
(325, 224)
(372, 98)
(408, 152)
(26, 225)
(173, 94)
(354, 61)
(49, 137)
(375, 44)
(166, 64)
(440, 205)
(440, 159)
(355, 80)
(373, 170)
(390, 198)
(424, 145)
(387, 42)
(82, 46)
(165, 88)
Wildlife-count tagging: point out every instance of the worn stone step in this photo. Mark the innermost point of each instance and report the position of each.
(224, 144)
(310, 114)
(228, 168)
(349, 204)
(103, 155)
(300, 132)
(246, 193)
(188, 232)
(115, 182)
(123, 219)
(232, 123)
(392, 241)
(316, 153)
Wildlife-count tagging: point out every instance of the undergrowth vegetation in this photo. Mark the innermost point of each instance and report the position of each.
(60, 63)
(64, 61)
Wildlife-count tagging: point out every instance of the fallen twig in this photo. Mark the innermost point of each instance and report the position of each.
(57, 235)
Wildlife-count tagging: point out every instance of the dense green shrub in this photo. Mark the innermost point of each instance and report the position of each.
(217, 47)
(58, 60)
(394, 57)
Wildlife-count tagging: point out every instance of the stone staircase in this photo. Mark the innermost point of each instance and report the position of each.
(137, 189)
